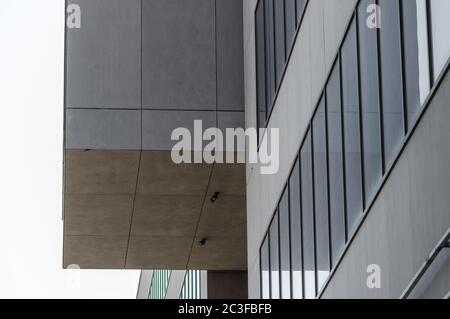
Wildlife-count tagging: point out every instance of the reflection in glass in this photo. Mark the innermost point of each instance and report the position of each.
(351, 128)
(284, 247)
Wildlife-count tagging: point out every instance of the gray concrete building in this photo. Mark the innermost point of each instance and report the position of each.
(135, 71)
(359, 92)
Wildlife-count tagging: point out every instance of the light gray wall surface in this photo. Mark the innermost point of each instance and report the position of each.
(166, 62)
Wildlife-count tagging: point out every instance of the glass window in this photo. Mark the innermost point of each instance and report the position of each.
(441, 41)
(290, 15)
(370, 101)
(261, 65)
(296, 233)
(321, 195)
(308, 220)
(285, 258)
(391, 77)
(336, 164)
(280, 46)
(270, 54)
(301, 5)
(351, 128)
(416, 59)
(274, 259)
(265, 269)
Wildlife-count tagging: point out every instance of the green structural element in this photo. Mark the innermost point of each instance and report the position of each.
(192, 285)
(158, 286)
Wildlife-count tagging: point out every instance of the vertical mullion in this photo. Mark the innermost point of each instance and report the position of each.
(430, 43)
(274, 52)
(327, 161)
(344, 170)
(313, 206)
(380, 97)
(296, 15)
(261, 295)
(361, 130)
(269, 253)
(291, 288)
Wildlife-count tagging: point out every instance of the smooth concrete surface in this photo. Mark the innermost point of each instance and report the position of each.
(225, 217)
(219, 253)
(159, 175)
(95, 252)
(230, 56)
(103, 56)
(158, 125)
(101, 172)
(103, 129)
(179, 59)
(158, 252)
(98, 214)
(227, 285)
(136, 70)
(159, 211)
(227, 180)
(166, 215)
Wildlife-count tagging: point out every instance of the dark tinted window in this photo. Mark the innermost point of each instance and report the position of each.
(284, 246)
(270, 53)
(265, 269)
(391, 77)
(336, 164)
(274, 259)
(351, 127)
(280, 46)
(290, 15)
(370, 101)
(321, 194)
(296, 232)
(309, 266)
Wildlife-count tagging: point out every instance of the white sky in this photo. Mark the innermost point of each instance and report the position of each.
(31, 125)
